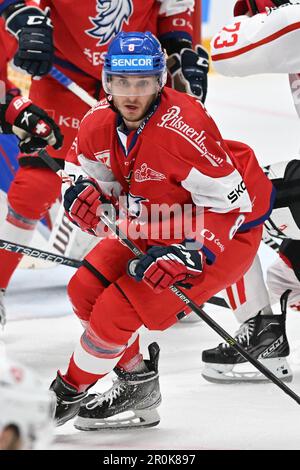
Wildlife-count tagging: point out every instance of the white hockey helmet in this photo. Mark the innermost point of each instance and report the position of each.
(25, 405)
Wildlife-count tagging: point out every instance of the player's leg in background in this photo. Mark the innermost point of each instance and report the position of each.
(285, 274)
(259, 330)
(249, 295)
(35, 187)
(30, 196)
(249, 299)
(285, 222)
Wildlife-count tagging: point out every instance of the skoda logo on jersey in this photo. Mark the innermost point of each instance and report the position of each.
(111, 14)
(131, 63)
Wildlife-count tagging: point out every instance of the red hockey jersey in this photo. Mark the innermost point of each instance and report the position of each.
(8, 48)
(176, 156)
(82, 31)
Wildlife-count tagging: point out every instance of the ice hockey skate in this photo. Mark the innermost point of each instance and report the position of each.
(264, 337)
(2, 309)
(68, 400)
(130, 403)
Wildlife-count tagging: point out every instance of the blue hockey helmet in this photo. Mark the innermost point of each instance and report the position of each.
(134, 54)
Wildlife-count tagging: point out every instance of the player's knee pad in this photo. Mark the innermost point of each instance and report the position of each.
(83, 289)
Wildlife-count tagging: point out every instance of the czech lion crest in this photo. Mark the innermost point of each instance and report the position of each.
(111, 15)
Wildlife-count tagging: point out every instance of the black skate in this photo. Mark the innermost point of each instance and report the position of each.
(68, 400)
(130, 403)
(264, 337)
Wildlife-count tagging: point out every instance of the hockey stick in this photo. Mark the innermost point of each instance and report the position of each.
(72, 86)
(36, 253)
(179, 293)
(218, 301)
(70, 262)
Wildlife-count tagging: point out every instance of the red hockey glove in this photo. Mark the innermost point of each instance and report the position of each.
(82, 203)
(163, 266)
(188, 70)
(29, 123)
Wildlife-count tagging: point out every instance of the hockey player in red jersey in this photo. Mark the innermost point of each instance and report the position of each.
(18, 115)
(21, 117)
(263, 29)
(75, 40)
(153, 146)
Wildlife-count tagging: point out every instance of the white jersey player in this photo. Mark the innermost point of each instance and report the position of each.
(263, 37)
(27, 408)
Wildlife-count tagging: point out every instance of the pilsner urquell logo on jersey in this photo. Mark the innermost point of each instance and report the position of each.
(173, 121)
(109, 20)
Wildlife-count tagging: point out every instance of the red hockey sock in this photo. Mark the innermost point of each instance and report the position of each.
(80, 378)
(8, 263)
(131, 357)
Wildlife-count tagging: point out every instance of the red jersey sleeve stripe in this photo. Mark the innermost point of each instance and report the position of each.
(231, 298)
(240, 285)
(255, 45)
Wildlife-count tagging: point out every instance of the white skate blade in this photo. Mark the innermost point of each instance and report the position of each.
(246, 373)
(125, 420)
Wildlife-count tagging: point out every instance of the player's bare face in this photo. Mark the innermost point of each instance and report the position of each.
(133, 108)
(138, 94)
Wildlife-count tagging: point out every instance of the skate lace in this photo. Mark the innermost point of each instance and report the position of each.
(243, 334)
(109, 396)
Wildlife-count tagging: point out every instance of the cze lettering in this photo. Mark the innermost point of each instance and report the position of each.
(234, 195)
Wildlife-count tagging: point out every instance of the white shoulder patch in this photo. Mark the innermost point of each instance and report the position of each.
(219, 194)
